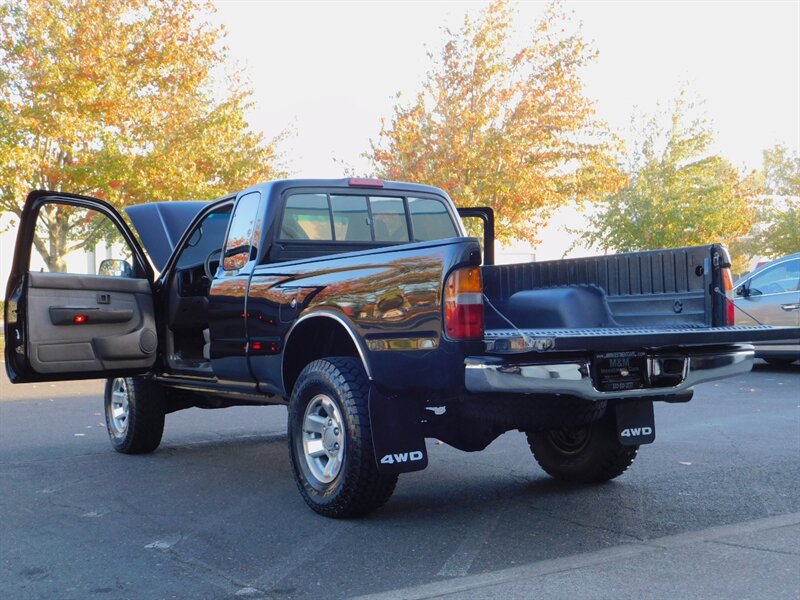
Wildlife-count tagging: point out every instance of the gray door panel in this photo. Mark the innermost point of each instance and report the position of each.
(101, 283)
(86, 323)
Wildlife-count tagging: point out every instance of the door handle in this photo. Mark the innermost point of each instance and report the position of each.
(789, 307)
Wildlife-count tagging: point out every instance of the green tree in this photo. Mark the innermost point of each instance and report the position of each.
(510, 130)
(782, 171)
(114, 99)
(778, 230)
(679, 194)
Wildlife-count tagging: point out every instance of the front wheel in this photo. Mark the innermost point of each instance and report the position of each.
(134, 410)
(330, 440)
(587, 454)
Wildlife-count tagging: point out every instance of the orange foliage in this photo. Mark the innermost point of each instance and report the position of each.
(513, 131)
(114, 99)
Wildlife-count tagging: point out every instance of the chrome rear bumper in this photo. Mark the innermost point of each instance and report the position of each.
(499, 375)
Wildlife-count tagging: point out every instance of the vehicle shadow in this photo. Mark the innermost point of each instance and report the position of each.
(762, 366)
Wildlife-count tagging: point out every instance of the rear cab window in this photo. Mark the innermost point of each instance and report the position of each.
(430, 220)
(307, 217)
(364, 218)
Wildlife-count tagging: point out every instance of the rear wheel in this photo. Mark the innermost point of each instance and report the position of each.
(330, 440)
(134, 409)
(588, 454)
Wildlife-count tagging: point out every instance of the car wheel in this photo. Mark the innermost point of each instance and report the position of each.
(588, 454)
(134, 409)
(330, 440)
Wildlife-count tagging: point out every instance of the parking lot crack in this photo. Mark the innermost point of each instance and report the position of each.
(748, 547)
(209, 574)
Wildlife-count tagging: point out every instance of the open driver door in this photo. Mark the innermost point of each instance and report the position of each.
(87, 318)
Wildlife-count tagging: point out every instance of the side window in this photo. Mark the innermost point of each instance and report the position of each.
(351, 219)
(781, 278)
(389, 218)
(73, 239)
(240, 242)
(207, 237)
(306, 217)
(430, 220)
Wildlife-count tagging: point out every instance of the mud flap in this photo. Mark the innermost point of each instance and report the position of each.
(396, 433)
(636, 423)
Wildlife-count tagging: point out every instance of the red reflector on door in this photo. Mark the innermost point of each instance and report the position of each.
(79, 319)
(264, 347)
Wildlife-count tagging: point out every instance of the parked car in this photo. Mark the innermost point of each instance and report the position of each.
(770, 295)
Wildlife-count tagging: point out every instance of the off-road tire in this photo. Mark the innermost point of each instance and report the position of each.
(145, 415)
(587, 454)
(358, 488)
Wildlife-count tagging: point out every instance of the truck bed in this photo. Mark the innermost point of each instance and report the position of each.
(662, 288)
(636, 301)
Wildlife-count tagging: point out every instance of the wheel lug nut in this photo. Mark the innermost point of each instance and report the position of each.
(336, 431)
(336, 445)
(330, 421)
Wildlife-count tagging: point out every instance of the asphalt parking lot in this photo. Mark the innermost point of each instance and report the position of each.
(214, 513)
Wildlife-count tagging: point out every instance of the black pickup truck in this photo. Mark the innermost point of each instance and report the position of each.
(364, 307)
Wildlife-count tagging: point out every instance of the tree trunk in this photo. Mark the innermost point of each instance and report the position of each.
(57, 228)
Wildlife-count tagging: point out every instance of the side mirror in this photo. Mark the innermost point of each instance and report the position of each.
(742, 291)
(115, 267)
(235, 258)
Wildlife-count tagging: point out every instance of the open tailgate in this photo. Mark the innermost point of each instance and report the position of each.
(618, 339)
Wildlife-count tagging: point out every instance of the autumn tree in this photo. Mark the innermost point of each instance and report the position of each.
(512, 130)
(117, 100)
(679, 193)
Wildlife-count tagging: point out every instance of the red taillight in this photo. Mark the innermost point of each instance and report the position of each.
(463, 304)
(730, 312)
(730, 307)
(363, 182)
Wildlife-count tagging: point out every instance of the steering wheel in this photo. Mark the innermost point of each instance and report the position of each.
(207, 263)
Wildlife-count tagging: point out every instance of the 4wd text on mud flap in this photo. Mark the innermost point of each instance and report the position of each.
(390, 459)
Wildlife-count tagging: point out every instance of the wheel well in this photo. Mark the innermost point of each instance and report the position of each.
(314, 338)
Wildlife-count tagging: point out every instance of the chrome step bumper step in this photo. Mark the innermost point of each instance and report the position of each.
(574, 377)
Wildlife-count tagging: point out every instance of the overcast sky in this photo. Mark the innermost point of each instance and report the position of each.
(332, 69)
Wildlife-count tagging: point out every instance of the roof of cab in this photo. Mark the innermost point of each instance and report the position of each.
(161, 224)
